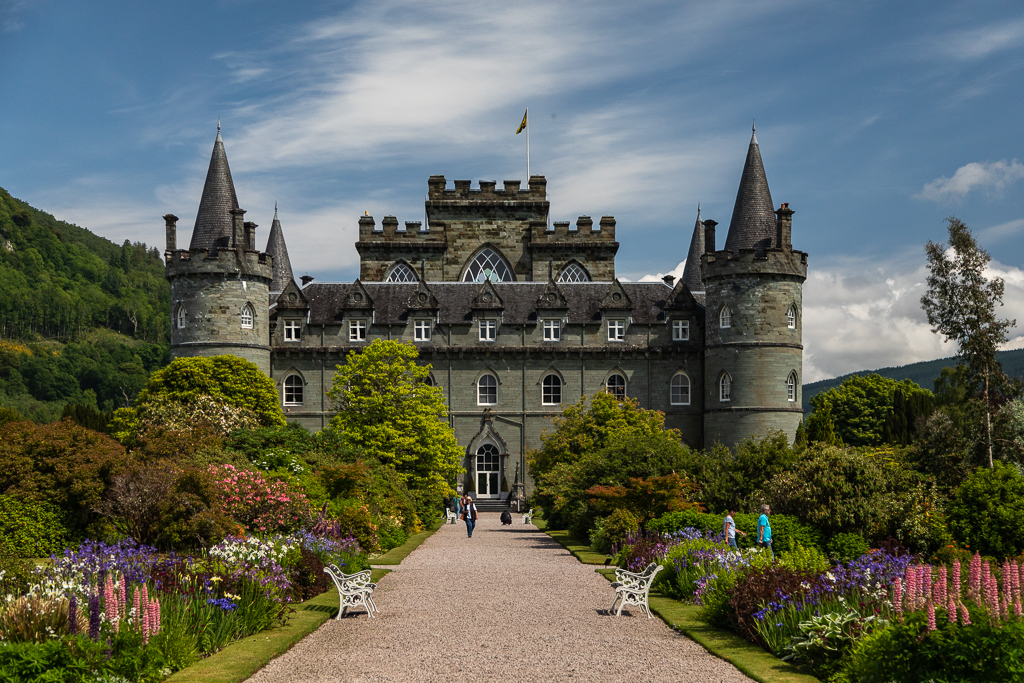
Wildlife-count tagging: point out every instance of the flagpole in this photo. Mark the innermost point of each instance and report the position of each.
(527, 145)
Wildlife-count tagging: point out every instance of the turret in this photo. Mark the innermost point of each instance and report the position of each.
(753, 366)
(691, 271)
(283, 274)
(220, 285)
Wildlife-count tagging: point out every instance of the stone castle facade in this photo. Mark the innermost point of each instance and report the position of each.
(516, 315)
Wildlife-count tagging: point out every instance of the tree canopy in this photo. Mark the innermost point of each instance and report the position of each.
(861, 407)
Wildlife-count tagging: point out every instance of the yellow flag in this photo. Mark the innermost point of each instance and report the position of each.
(523, 124)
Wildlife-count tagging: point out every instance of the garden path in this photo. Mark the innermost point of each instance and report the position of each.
(509, 604)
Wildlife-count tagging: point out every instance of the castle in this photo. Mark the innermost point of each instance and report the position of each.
(516, 315)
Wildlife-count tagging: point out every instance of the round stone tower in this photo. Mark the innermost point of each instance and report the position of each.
(753, 366)
(220, 285)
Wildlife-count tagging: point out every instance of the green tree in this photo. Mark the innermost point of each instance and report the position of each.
(986, 511)
(387, 410)
(821, 428)
(861, 407)
(734, 478)
(961, 306)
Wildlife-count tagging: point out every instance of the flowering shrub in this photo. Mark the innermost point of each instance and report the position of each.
(258, 504)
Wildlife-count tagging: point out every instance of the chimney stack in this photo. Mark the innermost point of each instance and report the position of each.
(784, 227)
(250, 236)
(709, 236)
(171, 227)
(237, 228)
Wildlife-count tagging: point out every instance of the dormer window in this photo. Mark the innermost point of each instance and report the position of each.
(357, 330)
(616, 330)
(725, 318)
(292, 330)
(552, 330)
(680, 330)
(248, 314)
(421, 330)
(488, 330)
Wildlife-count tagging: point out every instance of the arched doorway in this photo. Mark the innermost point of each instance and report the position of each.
(488, 471)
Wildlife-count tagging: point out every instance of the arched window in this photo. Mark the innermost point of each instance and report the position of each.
(401, 272)
(725, 317)
(573, 272)
(616, 386)
(791, 386)
(680, 394)
(247, 316)
(487, 390)
(179, 317)
(552, 390)
(488, 265)
(791, 318)
(725, 388)
(429, 380)
(293, 390)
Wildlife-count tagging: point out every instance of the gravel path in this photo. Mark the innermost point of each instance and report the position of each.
(509, 604)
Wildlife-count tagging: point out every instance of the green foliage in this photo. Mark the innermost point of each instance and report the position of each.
(821, 428)
(800, 558)
(612, 530)
(387, 411)
(910, 407)
(78, 659)
(862, 406)
(986, 511)
(824, 640)
(784, 527)
(714, 608)
(307, 576)
(733, 480)
(191, 515)
(31, 528)
(87, 416)
(9, 415)
(846, 547)
(978, 653)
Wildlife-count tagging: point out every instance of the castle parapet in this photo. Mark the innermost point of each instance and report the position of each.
(536, 190)
(583, 232)
(184, 262)
(785, 262)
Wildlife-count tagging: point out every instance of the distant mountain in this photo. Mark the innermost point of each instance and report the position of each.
(923, 373)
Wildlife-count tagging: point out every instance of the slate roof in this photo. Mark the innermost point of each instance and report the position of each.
(282, 264)
(753, 216)
(691, 272)
(519, 300)
(213, 221)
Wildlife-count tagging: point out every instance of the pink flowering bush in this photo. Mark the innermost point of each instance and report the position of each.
(257, 504)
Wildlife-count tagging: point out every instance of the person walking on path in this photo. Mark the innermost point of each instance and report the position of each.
(456, 507)
(470, 515)
(730, 530)
(764, 529)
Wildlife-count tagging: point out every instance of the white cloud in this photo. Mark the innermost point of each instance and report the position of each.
(990, 175)
(975, 43)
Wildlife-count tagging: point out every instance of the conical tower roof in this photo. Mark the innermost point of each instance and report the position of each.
(753, 217)
(214, 220)
(279, 250)
(691, 272)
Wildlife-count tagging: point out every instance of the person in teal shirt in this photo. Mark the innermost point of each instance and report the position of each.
(764, 530)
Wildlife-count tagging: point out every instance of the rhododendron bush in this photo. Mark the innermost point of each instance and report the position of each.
(257, 503)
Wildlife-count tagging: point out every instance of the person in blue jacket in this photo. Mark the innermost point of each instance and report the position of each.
(764, 529)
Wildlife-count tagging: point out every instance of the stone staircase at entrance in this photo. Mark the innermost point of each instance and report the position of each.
(490, 504)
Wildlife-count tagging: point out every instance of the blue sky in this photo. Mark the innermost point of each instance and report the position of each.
(876, 121)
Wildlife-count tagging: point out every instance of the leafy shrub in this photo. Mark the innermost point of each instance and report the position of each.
(31, 528)
(732, 479)
(804, 559)
(256, 503)
(825, 639)
(784, 527)
(191, 515)
(16, 574)
(9, 415)
(846, 547)
(754, 590)
(613, 530)
(307, 576)
(986, 511)
(390, 535)
(979, 653)
(355, 520)
(73, 660)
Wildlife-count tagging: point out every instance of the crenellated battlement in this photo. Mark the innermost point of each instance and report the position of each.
(584, 229)
(390, 229)
(536, 190)
(747, 262)
(185, 262)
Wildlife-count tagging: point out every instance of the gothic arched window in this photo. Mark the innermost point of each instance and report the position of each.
(248, 314)
(552, 390)
(487, 390)
(725, 388)
(725, 317)
(680, 393)
(791, 317)
(401, 272)
(179, 317)
(791, 386)
(293, 390)
(573, 272)
(488, 265)
(616, 385)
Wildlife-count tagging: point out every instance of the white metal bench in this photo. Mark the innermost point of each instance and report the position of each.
(450, 517)
(528, 517)
(634, 589)
(353, 589)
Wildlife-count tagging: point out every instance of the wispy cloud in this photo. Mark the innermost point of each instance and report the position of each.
(973, 44)
(992, 176)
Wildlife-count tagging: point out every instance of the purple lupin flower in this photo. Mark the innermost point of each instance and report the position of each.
(73, 615)
(94, 615)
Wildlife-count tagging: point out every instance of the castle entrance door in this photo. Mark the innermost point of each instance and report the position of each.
(488, 465)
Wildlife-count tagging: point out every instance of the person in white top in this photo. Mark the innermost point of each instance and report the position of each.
(729, 529)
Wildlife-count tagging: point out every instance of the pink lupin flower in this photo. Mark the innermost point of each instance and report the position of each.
(1016, 607)
(931, 615)
(965, 616)
(1007, 592)
(123, 596)
(136, 604)
(157, 604)
(974, 580)
(940, 586)
(897, 596)
(926, 582)
(1014, 581)
(957, 584)
(951, 609)
(911, 588)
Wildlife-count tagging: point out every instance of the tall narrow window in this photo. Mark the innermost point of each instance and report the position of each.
(791, 387)
(616, 386)
(616, 330)
(179, 319)
(487, 390)
(488, 265)
(680, 394)
(552, 330)
(680, 330)
(488, 330)
(292, 331)
(725, 388)
(552, 394)
(247, 316)
(293, 390)
(401, 272)
(356, 330)
(421, 331)
(725, 317)
(791, 318)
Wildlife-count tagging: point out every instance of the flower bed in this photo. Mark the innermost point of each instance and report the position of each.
(124, 611)
(880, 617)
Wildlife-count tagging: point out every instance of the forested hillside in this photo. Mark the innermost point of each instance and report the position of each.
(82, 320)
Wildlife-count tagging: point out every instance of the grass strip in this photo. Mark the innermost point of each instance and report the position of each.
(751, 659)
(242, 658)
(396, 555)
